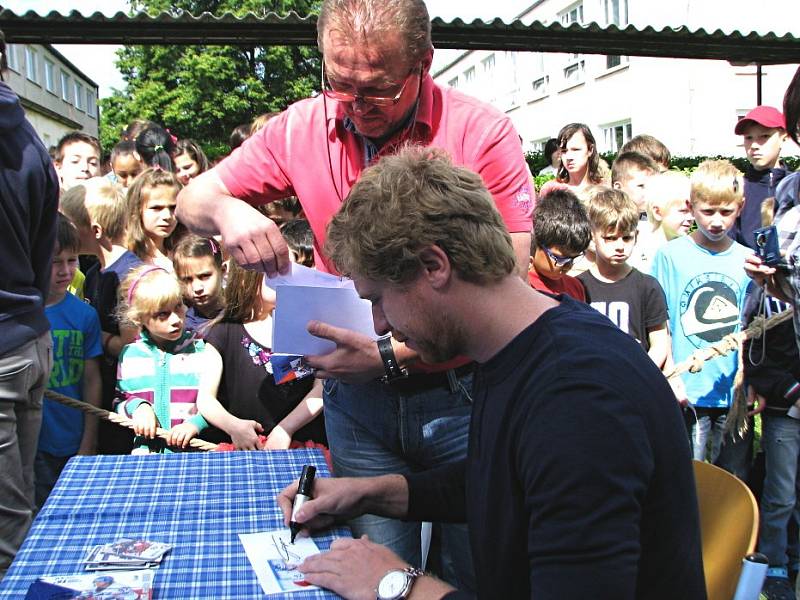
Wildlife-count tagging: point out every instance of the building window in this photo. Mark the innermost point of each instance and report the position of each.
(488, 64)
(469, 75)
(32, 64)
(616, 14)
(617, 135)
(12, 58)
(453, 82)
(574, 71)
(574, 14)
(79, 96)
(66, 88)
(49, 75)
(538, 145)
(91, 104)
(539, 86)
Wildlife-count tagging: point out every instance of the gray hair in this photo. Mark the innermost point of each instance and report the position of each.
(364, 19)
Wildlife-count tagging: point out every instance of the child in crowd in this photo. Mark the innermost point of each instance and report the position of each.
(630, 173)
(159, 374)
(704, 281)
(580, 162)
(763, 130)
(633, 301)
(239, 134)
(651, 147)
(125, 164)
(300, 239)
(75, 330)
(155, 148)
(668, 216)
(190, 160)
(77, 158)
(152, 227)
(199, 267)
(99, 210)
(552, 152)
(243, 338)
(560, 235)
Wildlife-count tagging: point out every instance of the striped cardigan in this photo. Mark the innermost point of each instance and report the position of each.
(166, 380)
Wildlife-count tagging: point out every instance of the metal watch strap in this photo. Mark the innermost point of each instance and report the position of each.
(413, 573)
(390, 364)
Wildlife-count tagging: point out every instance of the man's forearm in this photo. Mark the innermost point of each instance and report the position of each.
(386, 496)
(199, 202)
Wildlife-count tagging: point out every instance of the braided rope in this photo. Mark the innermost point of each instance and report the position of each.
(119, 419)
(728, 344)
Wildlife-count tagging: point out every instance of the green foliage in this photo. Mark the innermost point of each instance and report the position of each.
(203, 92)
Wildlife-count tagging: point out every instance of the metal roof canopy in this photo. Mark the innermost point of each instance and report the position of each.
(272, 29)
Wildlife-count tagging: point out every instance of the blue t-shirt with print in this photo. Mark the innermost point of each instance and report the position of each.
(75, 329)
(705, 294)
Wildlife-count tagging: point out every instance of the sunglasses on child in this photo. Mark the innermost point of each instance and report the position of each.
(560, 261)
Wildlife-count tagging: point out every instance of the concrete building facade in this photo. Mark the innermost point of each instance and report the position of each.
(57, 96)
(691, 105)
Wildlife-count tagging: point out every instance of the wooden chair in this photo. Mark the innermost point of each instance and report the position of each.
(728, 527)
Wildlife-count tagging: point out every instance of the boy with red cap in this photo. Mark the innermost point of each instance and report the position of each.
(764, 131)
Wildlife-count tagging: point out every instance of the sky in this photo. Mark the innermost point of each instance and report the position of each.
(97, 61)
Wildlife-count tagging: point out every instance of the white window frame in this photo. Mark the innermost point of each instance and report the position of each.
(489, 64)
(453, 83)
(469, 75)
(12, 57)
(621, 21)
(572, 14)
(575, 63)
(49, 75)
(91, 103)
(77, 86)
(32, 64)
(610, 141)
(66, 87)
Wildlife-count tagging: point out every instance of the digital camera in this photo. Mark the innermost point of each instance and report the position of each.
(767, 246)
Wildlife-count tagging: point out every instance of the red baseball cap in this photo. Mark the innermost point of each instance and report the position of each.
(766, 116)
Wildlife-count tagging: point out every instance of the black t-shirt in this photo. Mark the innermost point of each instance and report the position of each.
(248, 390)
(635, 303)
(579, 480)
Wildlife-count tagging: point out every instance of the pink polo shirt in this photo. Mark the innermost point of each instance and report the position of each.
(305, 153)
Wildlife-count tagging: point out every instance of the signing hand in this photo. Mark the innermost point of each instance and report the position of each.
(144, 421)
(180, 435)
(253, 240)
(335, 570)
(334, 499)
(355, 360)
(244, 434)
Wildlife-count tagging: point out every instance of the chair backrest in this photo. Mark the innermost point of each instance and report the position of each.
(728, 527)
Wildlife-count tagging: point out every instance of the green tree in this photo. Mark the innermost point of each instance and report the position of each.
(203, 92)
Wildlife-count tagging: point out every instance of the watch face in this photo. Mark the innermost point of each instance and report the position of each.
(392, 585)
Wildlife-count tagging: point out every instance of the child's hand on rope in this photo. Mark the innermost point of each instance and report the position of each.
(144, 421)
(759, 403)
(180, 435)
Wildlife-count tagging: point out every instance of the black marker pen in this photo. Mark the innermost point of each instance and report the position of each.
(303, 494)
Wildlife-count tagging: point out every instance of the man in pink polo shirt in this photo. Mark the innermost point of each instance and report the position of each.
(377, 95)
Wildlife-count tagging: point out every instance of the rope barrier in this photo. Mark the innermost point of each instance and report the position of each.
(728, 344)
(195, 443)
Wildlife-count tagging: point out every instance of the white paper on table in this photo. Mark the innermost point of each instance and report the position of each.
(274, 559)
(297, 305)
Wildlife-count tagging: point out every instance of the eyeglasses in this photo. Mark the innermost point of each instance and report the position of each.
(333, 94)
(561, 261)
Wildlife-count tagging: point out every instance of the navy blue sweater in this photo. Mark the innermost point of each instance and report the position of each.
(758, 186)
(28, 205)
(578, 481)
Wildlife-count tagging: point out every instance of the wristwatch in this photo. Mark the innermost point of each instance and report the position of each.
(396, 584)
(390, 365)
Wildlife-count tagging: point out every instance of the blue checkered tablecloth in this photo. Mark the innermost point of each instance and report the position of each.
(198, 502)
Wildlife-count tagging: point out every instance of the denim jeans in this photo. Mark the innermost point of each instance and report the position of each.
(734, 454)
(374, 430)
(780, 439)
(24, 373)
(46, 469)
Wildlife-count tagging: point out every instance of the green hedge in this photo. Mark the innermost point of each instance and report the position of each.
(537, 161)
